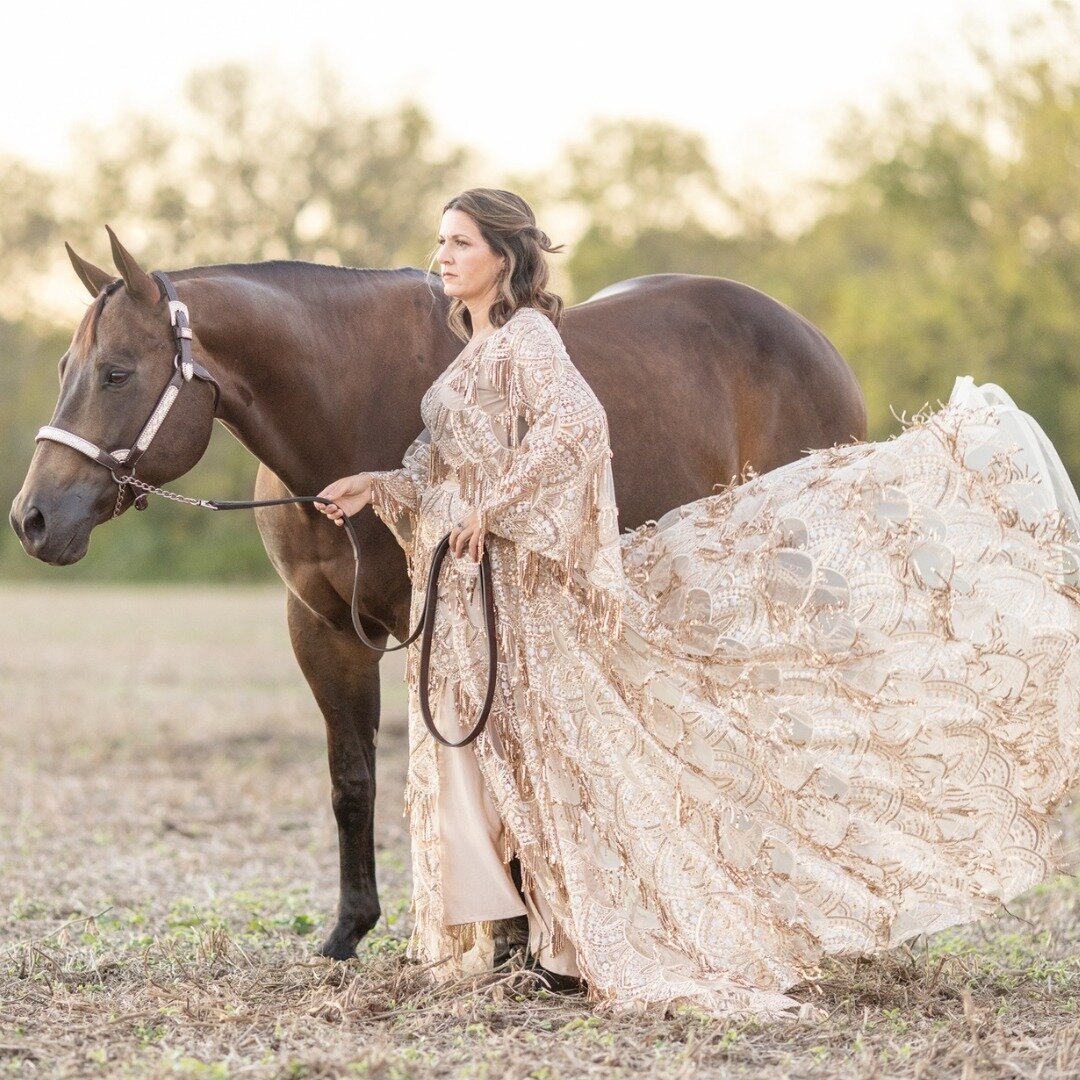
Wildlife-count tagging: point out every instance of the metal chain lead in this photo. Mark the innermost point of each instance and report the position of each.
(134, 481)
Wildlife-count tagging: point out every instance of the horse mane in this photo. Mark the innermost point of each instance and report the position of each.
(296, 274)
(275, 269)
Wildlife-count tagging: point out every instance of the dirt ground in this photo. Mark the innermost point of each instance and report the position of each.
(168, 868)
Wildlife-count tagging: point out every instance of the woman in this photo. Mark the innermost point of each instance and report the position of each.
(825, 710)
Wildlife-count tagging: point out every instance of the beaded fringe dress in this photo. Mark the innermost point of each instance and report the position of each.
(824, 710)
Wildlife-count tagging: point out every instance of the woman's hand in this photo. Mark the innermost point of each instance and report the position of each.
(350, 494)
(465, 536)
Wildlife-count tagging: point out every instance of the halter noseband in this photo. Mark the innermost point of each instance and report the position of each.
(185, 367)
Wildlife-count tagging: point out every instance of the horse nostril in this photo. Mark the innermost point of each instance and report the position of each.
(33, 525)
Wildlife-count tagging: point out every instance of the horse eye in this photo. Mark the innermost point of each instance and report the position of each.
(117, 378)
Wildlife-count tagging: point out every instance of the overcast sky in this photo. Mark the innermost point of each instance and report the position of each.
(764, 82)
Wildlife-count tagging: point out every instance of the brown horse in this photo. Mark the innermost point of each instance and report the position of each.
(321, 370)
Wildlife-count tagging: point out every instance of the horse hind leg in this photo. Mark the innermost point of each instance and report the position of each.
(344, 677)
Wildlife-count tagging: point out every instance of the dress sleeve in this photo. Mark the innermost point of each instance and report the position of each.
(395, 493)
(556, 498)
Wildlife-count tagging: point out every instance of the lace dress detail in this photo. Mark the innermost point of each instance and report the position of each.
(822, 711)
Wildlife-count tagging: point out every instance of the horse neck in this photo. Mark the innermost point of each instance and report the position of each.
(310, 377)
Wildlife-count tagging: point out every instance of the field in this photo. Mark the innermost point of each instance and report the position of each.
(168, 867)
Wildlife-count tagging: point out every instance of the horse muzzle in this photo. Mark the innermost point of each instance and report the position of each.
(55, 528)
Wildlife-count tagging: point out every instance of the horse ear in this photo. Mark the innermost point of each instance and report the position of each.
(139, 283)
(93, 277)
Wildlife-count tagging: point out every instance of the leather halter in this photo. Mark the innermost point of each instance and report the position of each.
(185, 367)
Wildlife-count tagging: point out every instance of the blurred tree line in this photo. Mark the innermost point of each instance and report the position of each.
(945, 241)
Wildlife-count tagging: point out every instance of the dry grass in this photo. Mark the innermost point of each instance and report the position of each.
(168, 867)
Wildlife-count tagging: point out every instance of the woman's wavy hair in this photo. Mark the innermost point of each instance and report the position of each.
(508, 225)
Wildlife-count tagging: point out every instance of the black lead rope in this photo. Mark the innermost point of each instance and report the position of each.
(427, 615)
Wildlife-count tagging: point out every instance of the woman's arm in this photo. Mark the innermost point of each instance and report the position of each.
(547, 500)
(395, 493)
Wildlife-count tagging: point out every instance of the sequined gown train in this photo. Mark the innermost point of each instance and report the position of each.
(822, 711)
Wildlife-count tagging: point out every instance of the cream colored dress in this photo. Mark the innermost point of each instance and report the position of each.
(822, 711)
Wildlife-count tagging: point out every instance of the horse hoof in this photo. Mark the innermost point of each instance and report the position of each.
(338, 948)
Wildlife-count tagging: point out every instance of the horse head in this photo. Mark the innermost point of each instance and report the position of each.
(112, 377)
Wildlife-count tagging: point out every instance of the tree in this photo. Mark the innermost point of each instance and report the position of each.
(650, 199)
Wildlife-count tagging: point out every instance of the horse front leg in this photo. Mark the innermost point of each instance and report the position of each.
(343, 674)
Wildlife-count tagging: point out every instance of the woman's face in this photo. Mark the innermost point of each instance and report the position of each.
(468, 266)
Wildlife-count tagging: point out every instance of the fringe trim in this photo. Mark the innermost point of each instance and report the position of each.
(559, 939)
(509, 847)
(383, 501)
(393, 511)
(504, 377)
